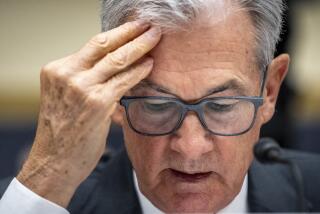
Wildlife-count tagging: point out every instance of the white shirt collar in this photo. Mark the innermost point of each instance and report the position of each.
(238, 205)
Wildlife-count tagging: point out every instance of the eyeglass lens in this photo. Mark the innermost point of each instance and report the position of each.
(221, 116)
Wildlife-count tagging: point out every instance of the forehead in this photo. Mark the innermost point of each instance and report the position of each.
(211, 53)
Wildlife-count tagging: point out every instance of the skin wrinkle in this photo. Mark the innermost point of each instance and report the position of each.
(193, 68)
(142, 89)
(264, 15)
(248, 90)
(192, 148)
(73, 126)
(210, 48)
(203, 69)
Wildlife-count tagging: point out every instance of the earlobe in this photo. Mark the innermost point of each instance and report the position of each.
(276, 73)
(117, 116)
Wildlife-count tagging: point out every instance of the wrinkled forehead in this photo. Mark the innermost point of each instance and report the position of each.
(210, 54)
(229, 30)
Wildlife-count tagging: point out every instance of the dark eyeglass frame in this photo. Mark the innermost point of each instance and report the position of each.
(194, 107)
(256, 100)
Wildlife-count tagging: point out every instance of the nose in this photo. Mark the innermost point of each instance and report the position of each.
(191, 140)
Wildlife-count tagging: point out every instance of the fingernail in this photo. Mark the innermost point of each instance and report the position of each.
(148, 65)
(142, 23)
(154, 32)
(148, 61)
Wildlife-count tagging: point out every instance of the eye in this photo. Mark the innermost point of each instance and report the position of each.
(158, 106)
(221, 105)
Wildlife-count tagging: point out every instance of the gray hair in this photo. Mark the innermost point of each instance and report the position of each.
(266, 15)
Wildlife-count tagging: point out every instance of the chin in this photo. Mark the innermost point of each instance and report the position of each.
(191, 203)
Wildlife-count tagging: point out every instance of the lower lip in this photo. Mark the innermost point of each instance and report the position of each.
(192, 178)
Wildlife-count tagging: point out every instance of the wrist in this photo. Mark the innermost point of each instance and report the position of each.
(47, 182)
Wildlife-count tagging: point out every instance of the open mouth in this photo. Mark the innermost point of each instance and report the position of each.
(194, 177)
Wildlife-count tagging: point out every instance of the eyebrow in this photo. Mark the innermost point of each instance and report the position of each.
(154, 86)
(229, 85)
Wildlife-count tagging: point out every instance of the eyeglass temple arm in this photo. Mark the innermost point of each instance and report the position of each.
(264, 79)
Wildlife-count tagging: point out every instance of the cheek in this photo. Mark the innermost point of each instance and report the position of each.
(236, 155)
(147, 155)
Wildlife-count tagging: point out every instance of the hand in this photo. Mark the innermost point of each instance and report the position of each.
(79, 94)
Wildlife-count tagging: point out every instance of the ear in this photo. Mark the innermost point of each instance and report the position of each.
(118, 115)
(277, 71)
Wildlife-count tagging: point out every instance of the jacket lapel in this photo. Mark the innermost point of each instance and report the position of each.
(271, 188)
(117, 181)
(110, 189)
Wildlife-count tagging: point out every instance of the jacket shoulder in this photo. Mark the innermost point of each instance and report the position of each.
(309, 165)
(272, 187)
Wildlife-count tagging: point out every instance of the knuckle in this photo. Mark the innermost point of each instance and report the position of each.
(74, 90)
(48, 68)
(56, 70)
(140, 47)
(128, 27)
(74, 83)
(95, 101)
(117, 60)
(59, 76)
(52, 76)
(101, 40)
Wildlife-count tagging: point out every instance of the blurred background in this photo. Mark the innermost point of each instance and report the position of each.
(35, 32)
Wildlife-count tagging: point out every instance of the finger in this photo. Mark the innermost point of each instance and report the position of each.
(106, 42)
(126, 55)
(126, 80)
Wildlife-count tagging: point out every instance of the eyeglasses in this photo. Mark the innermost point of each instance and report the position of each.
(224, 116)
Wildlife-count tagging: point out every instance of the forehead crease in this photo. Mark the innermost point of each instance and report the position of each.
(177, 66)
(148, 84)
(210, 44)
(200, 47)
(188, 56)
(213, 55)
(231, 84)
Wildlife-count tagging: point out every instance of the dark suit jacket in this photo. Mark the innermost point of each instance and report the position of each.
(271, 188)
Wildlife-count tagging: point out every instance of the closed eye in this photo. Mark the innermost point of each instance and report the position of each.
(220, 107)
(157, 106)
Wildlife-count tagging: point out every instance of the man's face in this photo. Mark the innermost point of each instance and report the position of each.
(188, 65)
